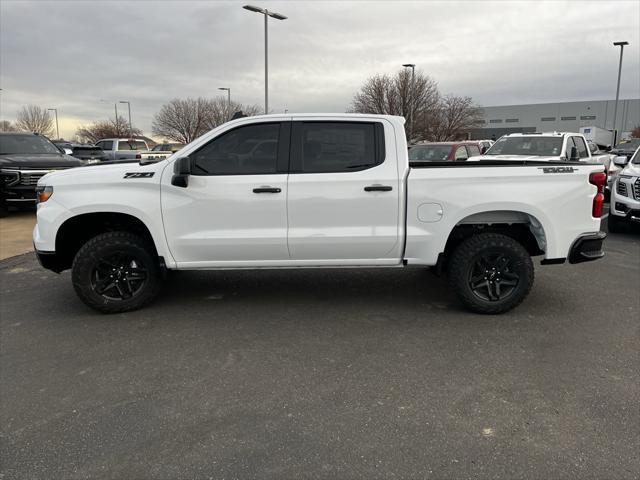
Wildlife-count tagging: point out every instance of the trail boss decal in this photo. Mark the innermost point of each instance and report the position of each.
(139, 175)
(557, 169)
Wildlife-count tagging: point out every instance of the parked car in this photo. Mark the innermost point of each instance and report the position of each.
(24, 159)
(88, 153)
(606, 159)
(625, 195)
(337, 190)
(485, 145)
(129, 149)
(443, 151)
(551, 146)
(626, 148)
(167, 147)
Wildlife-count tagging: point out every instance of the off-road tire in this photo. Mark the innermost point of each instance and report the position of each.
(105, 246)
(465, 260)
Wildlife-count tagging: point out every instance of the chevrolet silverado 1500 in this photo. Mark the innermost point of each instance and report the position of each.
(316, 190)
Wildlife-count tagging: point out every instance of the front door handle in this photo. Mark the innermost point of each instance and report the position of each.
(378, 188)
(267, 190)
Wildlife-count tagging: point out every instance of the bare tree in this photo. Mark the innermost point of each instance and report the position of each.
(453, 119)
(32, 118)
(110, 128)
(7, 126)
(393, 95)
(184, 120)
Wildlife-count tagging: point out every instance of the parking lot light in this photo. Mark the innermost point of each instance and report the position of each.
(412, 66)
(615, 107)
(55, 110)
(228, 95)
(267, 14)
(130, 127)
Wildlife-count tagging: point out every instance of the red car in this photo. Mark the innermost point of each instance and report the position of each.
(443, 151)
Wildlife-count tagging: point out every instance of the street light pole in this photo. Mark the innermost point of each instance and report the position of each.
(615, 108)
(228, 95)
(277, 16)
(413, 92)
(55, 110)
(130, 127)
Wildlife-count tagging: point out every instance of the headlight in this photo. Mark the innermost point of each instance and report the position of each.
(43, 193)
(9, 177)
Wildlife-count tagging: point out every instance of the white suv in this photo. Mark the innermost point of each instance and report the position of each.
(625, 196)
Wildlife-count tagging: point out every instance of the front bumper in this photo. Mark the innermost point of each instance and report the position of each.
(50, 261)
(587, 248)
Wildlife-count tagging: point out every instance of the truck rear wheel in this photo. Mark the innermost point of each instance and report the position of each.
(116, 272)
(491, 273)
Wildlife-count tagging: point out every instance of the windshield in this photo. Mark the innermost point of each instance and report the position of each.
(430, 153)
(27, 144)
(629, 144)
(538, 146)
(636, 157)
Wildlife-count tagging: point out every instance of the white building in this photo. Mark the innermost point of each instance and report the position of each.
(561, 117)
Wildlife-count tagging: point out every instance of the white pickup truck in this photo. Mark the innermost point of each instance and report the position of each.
(129, 149)
(316, 190)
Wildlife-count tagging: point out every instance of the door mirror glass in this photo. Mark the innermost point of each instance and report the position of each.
(181, 172)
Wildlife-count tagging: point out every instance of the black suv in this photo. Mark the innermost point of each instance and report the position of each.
(24, 158)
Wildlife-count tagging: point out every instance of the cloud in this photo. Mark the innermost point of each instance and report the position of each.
(72, 54)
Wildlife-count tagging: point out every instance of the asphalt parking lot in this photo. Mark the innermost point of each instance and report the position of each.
(324, 374)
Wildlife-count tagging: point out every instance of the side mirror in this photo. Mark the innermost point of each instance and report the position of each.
(181, 172)
(574, 154)
(621, 161)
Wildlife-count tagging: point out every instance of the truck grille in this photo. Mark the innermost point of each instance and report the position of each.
(636, 189)
(621, 189)
(30, 179)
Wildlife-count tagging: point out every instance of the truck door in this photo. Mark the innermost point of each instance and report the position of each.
(344, 195)
(233, 210)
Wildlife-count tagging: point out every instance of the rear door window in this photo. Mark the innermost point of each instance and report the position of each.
(323, 147)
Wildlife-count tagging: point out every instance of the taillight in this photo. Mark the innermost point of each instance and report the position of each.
(599, 179)
(138, 156)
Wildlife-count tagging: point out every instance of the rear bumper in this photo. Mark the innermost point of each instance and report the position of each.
(587, 248)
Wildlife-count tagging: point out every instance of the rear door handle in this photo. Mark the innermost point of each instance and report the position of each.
(378, 188)
(267, 190)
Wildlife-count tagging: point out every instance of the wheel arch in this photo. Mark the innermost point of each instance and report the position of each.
(521, 226)
(77, 230)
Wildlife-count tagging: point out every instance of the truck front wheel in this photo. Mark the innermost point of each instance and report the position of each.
(491, 273)
(116, 272)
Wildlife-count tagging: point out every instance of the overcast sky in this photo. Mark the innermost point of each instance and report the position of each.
(73, 54)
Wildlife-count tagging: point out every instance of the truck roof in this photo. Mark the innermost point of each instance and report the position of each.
(541, 134)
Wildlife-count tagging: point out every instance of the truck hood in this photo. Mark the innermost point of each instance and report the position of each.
(44, 161)
(535, 158)
(631, 169)
(101, 174)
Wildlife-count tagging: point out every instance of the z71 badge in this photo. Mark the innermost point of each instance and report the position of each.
(139, 175)
(557, 169)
